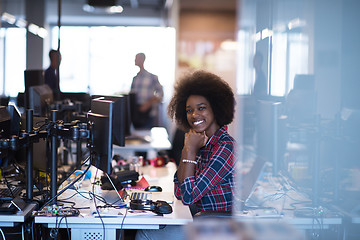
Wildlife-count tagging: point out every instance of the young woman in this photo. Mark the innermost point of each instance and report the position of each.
(202, 105)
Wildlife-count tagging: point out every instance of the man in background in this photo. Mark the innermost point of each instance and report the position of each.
(261, 85)
(149, 94)
(52, 74)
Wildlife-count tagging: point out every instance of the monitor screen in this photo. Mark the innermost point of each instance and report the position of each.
(5, 120)
(40, 98)
(32, 78)
(101, 140)
(119, 113)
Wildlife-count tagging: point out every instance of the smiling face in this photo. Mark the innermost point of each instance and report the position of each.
(200, 116)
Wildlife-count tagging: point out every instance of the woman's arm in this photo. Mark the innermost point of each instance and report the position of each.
(192, 143)
(221, 166)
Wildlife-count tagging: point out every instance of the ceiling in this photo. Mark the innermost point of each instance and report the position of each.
(136, 12)
(213, 5)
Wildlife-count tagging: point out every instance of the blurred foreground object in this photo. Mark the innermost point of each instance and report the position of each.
(230, 229)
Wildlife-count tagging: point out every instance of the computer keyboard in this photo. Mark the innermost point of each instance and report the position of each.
(7, 194)
(140, 196)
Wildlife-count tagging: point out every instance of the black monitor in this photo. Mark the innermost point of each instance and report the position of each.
(15, 119)
(40, 98)
(118, 112)
(128, 120)
(5, 121)
(101, 134)
(32, 78)
(83, 98)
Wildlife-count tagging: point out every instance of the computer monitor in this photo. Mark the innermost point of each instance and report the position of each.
(15, 116)
(32, 78)
(128, 120)
(5, 121)
(40, 98)
(119, 114)
(101, 137)
(270, 133)
(83, 98)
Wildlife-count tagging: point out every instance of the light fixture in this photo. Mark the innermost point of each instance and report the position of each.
(36, 30)
(102, 6)
(33, 28)
(21, 23)
(9, 18)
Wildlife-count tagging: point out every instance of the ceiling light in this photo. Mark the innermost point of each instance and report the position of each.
(8, 18)
(115, 9)
(33, 28)
(21, 23)
(42, 32)
(102, 7)
(102, 10)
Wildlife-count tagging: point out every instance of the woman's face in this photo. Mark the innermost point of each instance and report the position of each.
(200, 115)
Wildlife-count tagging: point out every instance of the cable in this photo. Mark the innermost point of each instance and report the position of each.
(114, 187)
(22, 232)
(7, 183)
(64, 189)
(67, 228)
(33, 230)
(73, 171)
(122, 223)
(2, 234)
(77, 193)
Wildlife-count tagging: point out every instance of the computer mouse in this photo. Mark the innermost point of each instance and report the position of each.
(162, 207)
(153, 189)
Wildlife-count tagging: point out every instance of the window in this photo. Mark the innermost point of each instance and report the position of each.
(12, 61)
(100, 60)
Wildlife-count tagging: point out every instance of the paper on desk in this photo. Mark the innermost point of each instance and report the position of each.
(136, 213)
(105, 213)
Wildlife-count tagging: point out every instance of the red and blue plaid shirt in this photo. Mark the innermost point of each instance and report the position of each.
(211, 188)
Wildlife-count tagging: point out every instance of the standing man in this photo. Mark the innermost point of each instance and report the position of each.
(261, 85)
(51, 73)
(149, 94)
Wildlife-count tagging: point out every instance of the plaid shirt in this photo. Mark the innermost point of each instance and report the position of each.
(212, 186)
(146, 85)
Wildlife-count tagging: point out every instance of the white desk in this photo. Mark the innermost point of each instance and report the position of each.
(86, 225)
(158, 140)
(12, 219)
(272, 191)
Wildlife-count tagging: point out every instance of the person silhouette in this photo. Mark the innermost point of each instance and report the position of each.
(51, 73)
(149, 94)
(260, 85)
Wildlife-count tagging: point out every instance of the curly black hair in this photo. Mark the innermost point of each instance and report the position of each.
(206, 84)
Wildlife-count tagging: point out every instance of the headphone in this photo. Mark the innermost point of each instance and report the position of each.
(159, 207)
(161, 160)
